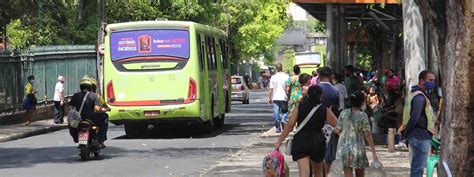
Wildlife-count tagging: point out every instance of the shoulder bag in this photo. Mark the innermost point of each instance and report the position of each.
(73, 116)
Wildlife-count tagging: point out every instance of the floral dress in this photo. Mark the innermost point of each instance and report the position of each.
(351, 146)
(295, 93)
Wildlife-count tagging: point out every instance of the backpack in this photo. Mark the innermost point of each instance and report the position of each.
(274, 165)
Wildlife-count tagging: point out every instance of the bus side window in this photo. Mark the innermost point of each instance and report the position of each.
(210, 59)
(223, 53)
(214, 57)
(200, 52)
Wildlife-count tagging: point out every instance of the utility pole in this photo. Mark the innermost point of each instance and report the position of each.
(100, 41)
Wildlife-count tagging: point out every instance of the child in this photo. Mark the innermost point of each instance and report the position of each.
(353, 126)
(372, 98)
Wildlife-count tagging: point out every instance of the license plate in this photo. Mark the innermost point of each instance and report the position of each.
(152, 113)
(83, 137)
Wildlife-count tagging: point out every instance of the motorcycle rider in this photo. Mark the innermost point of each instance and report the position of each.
(102, 119)
(91, 104)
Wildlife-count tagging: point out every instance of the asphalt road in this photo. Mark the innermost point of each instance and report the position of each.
(172, 151)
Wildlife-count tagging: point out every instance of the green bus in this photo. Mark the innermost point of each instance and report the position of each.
(166, 72)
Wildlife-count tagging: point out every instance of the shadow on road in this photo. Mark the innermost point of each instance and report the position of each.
(28, 157)
(172, 132)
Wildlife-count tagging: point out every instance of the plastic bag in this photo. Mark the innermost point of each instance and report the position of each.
(336, 169)
(376, 169)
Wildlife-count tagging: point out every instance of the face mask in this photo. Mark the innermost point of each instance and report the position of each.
(430, 85)
(32, 81)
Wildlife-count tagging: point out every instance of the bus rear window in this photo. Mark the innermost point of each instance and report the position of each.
(144, 43)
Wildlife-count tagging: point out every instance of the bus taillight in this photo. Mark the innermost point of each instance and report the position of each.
(110, 92)
(192, 90)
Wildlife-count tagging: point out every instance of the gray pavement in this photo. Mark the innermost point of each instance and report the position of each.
(248, 161)
(235, 150)
(18, 131)
(163, 152)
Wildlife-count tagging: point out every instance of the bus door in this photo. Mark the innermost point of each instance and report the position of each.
(220, 76)
(204, 76)
(212, 67)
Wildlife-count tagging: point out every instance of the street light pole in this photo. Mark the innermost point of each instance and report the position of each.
(100, 40)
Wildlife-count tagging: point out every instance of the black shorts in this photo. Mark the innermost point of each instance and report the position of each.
(312, 144)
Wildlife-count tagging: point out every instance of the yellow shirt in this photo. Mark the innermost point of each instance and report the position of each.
(28, 89)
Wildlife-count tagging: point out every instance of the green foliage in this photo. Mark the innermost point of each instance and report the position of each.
(320, 26)
(253, 25)
(287, 60)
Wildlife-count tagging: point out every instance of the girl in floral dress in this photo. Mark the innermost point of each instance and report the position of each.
(352, 126)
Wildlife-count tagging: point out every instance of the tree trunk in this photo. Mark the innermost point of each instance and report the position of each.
(414, 45)
(449, 22)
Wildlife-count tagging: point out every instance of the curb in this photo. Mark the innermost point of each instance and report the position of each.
(26, 134)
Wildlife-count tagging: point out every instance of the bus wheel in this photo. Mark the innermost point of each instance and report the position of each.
(220, 121)
(227, 105)
(209, 125)
(135, 129)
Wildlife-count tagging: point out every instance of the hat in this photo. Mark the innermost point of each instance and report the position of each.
(60, 78)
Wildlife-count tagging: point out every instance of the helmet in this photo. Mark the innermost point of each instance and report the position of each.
(86, 80)
(93, 82)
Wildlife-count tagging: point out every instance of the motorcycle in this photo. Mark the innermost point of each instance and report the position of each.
(88, 142)
(433, 158)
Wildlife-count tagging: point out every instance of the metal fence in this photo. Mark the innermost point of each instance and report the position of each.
(46, 64)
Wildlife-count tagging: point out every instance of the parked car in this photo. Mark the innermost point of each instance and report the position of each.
(240, 90)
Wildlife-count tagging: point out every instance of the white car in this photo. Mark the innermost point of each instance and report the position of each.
(240, 91)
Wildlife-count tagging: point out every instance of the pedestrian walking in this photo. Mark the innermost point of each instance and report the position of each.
(278, 97)
(59, 101)
(330, 99)
(392, 84)
(30, 101)
(294, 89)
(314, 79)
(352, 82)
(353, 126)
(309, 143)
(341, 88)
(418, 122)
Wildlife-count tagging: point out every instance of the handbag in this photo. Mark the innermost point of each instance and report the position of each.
(25, 103)
(73, 116)
(289, 142)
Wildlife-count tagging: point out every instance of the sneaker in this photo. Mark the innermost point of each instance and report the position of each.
(283, 124)
(400, 145)
(278, 131)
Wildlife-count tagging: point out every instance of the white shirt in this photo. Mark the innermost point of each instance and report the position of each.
(278, 83)
(57, 91)
(342, 94)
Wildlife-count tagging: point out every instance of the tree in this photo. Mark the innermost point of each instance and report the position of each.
(252, 25)
(449, 25)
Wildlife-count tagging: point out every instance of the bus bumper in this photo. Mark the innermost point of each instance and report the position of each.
(177, 113)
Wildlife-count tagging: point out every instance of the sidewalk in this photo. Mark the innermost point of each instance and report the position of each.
(248, 161)
(19, 131)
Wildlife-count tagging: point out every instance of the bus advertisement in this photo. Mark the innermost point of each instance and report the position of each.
(158, 72)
